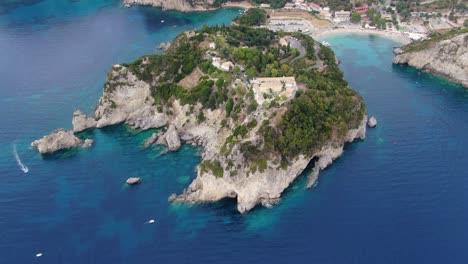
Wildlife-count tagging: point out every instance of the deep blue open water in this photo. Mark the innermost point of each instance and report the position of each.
(397, 197)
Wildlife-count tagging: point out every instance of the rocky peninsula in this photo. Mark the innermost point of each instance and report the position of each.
(221, 88)
(445, 55)
(179, 5)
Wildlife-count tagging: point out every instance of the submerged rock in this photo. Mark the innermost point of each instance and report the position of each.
(87, 143)
(372, 122)
(82, 122)
(58, 140)
(153, 138)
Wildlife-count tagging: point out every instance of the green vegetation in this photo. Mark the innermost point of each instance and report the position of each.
(272, 3)
(434, 39)
(229, 106)
(323, 111)
(214, 166)
(337, 5)
(355, 17)
(175, 65)
(375, 18)
(253, 17)
(403, 8)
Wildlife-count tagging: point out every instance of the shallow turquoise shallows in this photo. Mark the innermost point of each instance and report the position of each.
(397, 197)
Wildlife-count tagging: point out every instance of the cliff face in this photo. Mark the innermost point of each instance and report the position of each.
(447, 58)
(179, 5)
(261, 187)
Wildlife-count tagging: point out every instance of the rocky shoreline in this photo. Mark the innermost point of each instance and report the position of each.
(265, 187)
(178, 5)
(447, 58)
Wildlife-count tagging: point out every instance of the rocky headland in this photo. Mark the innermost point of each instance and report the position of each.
(445, 55)
(179, 5)
(256, 139)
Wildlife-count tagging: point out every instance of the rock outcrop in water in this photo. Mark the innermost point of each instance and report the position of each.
(255, 142)
(59, 140)
(82, 122)
(179, 5)
(170, 139)
(444, 55)
(372, 122)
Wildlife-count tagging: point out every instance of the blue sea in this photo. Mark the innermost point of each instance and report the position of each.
(397, 197)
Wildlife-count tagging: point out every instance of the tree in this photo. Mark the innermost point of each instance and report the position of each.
(236, 70)
(281, 33)
(253, 17)
(229, 106)
(251, 72)
(355, 18)
(465, 23)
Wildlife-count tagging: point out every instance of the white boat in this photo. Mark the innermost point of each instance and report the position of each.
(326, 44)
(162, 21)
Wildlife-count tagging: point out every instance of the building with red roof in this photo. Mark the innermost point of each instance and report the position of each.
(361, 9)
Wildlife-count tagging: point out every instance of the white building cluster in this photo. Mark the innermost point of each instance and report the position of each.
(222, 65)
(302, 5)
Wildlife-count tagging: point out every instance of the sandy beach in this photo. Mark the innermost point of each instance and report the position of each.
(387, 34)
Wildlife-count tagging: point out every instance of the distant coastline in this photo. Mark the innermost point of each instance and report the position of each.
(403, 39)
(243, 5)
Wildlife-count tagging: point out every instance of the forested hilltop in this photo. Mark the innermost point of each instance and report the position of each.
(324, 108)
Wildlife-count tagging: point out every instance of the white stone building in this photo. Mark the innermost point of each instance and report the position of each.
(267, 89)
(342, 16)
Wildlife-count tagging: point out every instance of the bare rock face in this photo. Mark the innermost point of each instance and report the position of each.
(260, 187)
(372, 122)
(58, 140)
(170, 139)
(153, 138)
(128, 100)
(179, 5)
(164, 46)
(82, 122)
(447, 58)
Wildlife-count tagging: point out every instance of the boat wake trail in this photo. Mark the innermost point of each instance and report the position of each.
(18, 160)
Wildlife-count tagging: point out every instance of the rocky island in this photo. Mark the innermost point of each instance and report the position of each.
(444, 54)
(262, 110)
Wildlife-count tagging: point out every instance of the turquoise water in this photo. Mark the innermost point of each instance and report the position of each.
(397, 197)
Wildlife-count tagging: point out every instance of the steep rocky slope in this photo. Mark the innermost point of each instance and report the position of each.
(444, 55)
